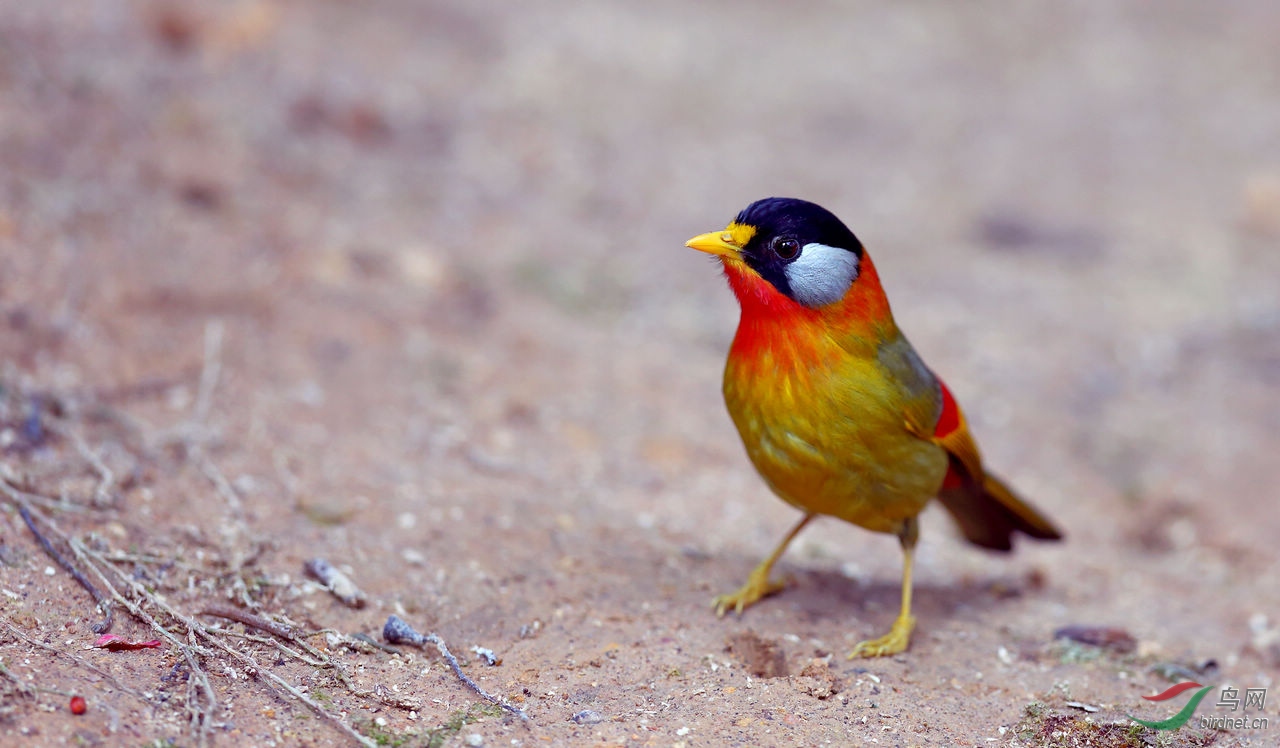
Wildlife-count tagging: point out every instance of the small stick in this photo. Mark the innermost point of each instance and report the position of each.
(218, 479)
(360, 636)
(23, 688)
(219, 610)
(396, 631)
(44, 502)
(338, 584)
(213, 330)
(142, 388)
(104, 604)
(275, 644)
(106, 478)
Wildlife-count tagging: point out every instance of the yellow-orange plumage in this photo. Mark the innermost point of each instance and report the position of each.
(837, 411)
(819, 413)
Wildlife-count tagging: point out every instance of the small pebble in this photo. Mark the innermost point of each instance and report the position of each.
(588, 717)
(475, 739)
(396, 631)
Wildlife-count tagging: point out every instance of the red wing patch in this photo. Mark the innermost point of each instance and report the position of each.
(949, 419)
(953, 478)
(952, 434)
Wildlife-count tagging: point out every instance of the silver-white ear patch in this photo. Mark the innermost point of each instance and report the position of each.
(822, 274)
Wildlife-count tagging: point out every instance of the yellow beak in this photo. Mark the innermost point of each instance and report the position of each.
(719, 243)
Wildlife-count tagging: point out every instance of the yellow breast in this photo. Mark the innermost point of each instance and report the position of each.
(829, 436)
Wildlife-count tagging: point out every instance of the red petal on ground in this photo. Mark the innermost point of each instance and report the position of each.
(118, 643)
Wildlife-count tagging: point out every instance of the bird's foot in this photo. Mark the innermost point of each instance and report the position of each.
(890, 644)
(757, 587)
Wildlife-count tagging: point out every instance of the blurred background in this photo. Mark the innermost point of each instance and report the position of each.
(446, 239)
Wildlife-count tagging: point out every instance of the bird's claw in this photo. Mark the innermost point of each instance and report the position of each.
(890, 644)
(758, 586)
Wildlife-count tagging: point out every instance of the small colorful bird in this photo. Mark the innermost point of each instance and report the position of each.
(838, 412)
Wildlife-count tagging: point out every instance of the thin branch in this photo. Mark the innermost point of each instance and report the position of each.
(18, 489)
(23, 688)
(104, 604)
(220, 610)
(106, 478)
(397, 631)
(213, 333)
(219, 480)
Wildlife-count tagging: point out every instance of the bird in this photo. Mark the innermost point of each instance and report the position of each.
(838, 412)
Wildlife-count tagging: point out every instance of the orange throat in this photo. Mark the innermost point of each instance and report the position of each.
(774, 329)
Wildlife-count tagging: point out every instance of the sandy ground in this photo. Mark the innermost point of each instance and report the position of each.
(402, 285)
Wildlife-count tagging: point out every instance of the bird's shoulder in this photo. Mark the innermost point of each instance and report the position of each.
(929, 410)
(912, 382)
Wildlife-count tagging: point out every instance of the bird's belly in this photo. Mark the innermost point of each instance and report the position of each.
(836, 450)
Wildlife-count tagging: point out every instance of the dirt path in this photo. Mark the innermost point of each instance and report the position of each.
(401, 285)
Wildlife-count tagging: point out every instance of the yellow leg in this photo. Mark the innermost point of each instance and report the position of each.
(758, 584)
(900, 635)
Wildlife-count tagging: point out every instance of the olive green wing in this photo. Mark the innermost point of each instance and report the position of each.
(986, 509)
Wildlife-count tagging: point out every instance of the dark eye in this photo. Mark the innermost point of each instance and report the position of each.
(785, 247)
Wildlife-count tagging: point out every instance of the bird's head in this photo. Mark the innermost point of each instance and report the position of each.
(782, 252)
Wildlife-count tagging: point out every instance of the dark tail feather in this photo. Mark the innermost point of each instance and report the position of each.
(988, 514)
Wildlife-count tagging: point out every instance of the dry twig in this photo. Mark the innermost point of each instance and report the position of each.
(397, 631)
(338, 583)
(103, 603)
(220, 610)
